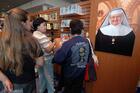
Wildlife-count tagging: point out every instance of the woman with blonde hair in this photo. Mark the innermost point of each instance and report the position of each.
(18, 53)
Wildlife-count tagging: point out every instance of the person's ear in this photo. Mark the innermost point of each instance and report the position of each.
(38, 27)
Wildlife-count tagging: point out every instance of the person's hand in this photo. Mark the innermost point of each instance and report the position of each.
(8, 86)
(48, 46)
(95, 59)
(51, 45)
(57, 43)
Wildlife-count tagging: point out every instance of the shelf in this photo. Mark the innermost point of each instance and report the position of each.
(72, 14)
(77, 11)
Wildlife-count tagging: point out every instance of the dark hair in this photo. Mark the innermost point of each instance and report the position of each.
(1, 24)
(76, 26)
(37, 22)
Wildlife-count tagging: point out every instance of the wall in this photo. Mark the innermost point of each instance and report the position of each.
(116, 73)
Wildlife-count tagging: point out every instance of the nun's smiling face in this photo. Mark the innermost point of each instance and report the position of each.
(116, 19)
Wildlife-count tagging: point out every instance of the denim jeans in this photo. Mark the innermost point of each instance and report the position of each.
(46, 76)
(22, 88)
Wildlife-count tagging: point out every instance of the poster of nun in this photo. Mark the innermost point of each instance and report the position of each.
(115, 34)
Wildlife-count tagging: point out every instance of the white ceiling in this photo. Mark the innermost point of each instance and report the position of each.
(8, 4)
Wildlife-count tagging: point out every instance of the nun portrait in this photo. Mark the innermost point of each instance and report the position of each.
(115, 35)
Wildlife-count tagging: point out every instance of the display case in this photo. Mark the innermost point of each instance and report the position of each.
(59, 18)
(53, 22)
(75, 11)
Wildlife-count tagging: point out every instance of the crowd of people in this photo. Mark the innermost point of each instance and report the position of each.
(27, 53)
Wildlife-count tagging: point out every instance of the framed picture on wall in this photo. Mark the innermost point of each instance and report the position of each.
(115, 34)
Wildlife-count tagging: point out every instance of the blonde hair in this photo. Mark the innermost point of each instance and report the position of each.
(16, 42)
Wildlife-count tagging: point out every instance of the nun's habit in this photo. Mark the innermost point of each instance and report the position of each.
(117, 39)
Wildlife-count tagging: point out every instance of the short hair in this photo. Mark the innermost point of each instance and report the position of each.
(37, 22)
(76, 26)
